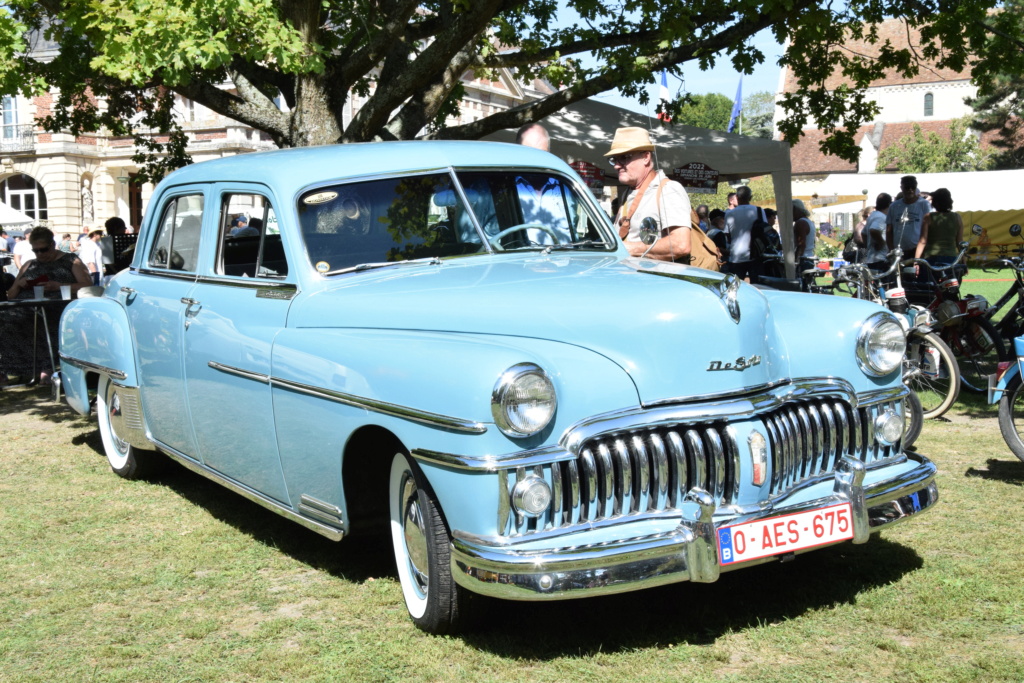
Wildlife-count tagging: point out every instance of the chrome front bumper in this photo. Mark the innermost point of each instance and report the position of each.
(687, 553)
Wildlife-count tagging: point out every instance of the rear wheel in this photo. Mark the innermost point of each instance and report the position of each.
(978, 348)
(931, 372)
(126, 460)
(913, 419)
(422, 551)
(1011, 416)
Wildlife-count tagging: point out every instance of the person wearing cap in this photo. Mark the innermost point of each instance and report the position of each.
(652, 195)
(240, 228)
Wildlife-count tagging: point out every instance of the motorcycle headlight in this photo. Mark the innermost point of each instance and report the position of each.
(881, 345)
(523, 401)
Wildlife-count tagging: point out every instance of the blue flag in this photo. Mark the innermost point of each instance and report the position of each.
(737, 106)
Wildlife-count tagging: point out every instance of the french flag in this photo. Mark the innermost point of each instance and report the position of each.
(664, 96)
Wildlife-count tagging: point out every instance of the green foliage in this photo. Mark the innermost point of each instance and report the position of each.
(933, 153)
(704, 111)
(291, 67)
(826, 249)
(999, 104)
(759, 114)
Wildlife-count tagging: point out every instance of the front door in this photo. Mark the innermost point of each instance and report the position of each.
(241, 302)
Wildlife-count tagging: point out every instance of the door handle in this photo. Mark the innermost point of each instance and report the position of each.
(189, 302)
(128, 291)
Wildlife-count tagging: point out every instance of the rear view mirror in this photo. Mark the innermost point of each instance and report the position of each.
(1015, 230)
(649, 231)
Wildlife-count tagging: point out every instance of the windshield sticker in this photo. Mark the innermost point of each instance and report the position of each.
(322, 266)
(320, 197)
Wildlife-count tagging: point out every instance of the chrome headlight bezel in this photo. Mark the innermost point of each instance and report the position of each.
(531, 378)
(875, 332)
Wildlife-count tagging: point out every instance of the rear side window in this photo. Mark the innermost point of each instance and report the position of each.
(250, 238)
(177, 242)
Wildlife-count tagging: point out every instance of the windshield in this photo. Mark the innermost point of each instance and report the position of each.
(392, 220)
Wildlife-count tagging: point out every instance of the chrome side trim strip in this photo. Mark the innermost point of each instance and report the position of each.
(318, 509)
(493, 463)
(170, 274)
(258, 498)
(247, 282)
(403, 412)
(86, 365)
(239, 372)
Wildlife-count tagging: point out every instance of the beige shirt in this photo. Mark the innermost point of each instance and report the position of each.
(673, 209)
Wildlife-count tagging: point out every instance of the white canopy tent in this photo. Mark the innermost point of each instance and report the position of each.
(584, 131)
(12, 217)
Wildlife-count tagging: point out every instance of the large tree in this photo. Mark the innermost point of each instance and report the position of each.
(705, 111)
(295, 63)
(999, 105)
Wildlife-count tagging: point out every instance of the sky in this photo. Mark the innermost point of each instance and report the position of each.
(722, 79)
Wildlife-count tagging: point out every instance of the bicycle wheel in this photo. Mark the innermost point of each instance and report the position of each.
(1011, 416)
(978, 348)
(931, 372)
(913, 420)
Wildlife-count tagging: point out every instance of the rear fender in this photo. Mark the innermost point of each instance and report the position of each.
(94, 337)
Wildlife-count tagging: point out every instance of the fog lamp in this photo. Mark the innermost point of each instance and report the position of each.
(888, 428)
(531, 496)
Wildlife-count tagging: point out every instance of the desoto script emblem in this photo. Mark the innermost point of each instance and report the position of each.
(740, 364)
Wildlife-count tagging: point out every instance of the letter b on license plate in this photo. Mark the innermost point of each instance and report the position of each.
(785, 534)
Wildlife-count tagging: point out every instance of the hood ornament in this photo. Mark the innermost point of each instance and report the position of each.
(727, 290)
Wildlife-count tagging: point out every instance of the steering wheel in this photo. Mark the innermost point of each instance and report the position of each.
(494, 240)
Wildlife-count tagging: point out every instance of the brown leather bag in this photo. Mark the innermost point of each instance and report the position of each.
(704, 252)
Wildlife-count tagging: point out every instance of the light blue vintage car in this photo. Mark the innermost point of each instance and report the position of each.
(448, 338)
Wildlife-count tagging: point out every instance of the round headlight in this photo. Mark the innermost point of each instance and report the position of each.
(523, 401)
(881, 345)
(531, 496)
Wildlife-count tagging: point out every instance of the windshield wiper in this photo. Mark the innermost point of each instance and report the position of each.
(429, 261)
(575, 245)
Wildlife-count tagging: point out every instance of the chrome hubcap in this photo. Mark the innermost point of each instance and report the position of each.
(415, 535)
(114, 415)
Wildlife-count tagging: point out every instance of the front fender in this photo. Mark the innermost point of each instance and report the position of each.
(94, 336)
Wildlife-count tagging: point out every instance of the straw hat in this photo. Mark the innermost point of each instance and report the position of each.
(630, 140)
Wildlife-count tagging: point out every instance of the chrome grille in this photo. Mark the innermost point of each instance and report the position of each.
(650, 469)
(807, 439)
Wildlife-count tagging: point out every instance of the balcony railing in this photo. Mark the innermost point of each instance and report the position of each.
(17, 138)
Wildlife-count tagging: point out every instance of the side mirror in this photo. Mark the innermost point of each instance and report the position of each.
(649, 231)
(976, 229)
(1015, 230)
(963, 245)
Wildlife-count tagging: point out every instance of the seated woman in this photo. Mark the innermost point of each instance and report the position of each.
(50, 268)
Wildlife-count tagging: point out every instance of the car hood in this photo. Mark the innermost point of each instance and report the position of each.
(677, 331)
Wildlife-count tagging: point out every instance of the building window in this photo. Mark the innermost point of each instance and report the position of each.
(929, 104)
(23, 193)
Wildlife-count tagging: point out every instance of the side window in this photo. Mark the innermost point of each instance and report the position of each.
(250, 238)
(177, 242)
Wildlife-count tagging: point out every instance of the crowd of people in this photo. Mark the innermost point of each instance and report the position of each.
(34, 262)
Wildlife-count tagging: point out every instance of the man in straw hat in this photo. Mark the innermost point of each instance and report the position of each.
(652, 195)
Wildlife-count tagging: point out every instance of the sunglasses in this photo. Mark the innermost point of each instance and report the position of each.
(622, 159)
(42, 250)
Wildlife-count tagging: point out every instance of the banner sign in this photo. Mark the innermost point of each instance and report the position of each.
(697, 178)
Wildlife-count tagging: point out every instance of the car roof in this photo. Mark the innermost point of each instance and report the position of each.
(290, 170)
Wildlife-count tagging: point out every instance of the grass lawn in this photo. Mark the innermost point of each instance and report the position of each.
(180, 580)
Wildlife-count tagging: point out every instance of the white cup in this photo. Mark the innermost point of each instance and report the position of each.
(39, 291)
(65, 291)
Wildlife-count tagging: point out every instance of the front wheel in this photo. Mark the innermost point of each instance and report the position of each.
(125, 460)
(1011, 416)
(422, 552)
(978, 348)
(931, 372)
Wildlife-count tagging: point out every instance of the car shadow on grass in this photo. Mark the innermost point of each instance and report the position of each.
(1006, 471)
(678, 614)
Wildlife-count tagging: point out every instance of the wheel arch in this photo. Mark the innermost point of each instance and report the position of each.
(365, 470)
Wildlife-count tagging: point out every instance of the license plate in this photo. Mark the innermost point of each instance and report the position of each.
(785, 534)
